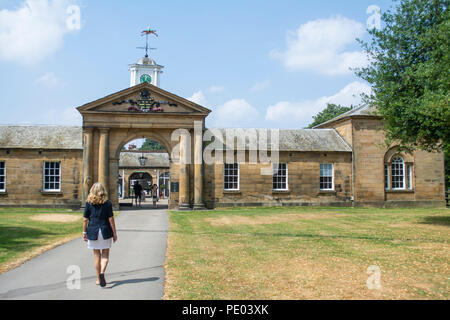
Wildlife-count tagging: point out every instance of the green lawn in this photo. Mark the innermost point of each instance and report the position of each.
(308, 253)
(21, 237)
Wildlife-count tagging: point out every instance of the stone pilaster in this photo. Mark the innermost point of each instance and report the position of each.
(87, 158)
(198, 171)
(103, 159)
(184, 173)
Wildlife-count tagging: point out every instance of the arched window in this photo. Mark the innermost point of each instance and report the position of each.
(398, 173)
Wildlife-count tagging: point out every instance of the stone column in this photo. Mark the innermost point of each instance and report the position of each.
(184, 173)
(103, 159)
(198, 171)
(87, 165)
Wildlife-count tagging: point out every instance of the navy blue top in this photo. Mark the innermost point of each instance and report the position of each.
(98, 216)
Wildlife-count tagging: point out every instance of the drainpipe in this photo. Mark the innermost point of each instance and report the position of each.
(353, 165)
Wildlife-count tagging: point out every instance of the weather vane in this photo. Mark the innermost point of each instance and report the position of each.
(147, 32)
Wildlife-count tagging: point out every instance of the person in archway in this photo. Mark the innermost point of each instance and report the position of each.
(137, 193)
(155, 195)
(99, 229)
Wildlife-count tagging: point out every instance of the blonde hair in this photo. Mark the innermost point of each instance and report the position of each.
(97, 195)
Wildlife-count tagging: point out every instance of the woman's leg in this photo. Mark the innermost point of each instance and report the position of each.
(97, 264)
(105, 260)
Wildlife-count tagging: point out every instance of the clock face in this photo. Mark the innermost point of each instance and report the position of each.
(146, 78)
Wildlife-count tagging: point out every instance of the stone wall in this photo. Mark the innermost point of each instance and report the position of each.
(369, 159)
(24, 178)
(303, 182)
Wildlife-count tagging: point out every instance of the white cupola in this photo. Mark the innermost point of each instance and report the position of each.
(145, 70)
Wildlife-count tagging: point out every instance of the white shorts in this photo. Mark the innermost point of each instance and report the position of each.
(101, 243)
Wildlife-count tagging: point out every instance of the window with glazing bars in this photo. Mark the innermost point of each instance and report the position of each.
(326, 177)
(52, 176)
(231, 176)
(2, 176)
(398, 173)
(280, 176)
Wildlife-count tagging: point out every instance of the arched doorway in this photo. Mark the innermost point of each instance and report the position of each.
(143, 178)
(145, 161)
(115, 120)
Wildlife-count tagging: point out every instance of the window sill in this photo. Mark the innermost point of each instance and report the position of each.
(327, 192)
(400, 191)
(232, 192)
(52, 193)
(3, 193)
(281, 191)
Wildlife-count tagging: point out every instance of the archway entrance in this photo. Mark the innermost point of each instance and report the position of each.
(144, 111)
(143, 178)
(144, 162)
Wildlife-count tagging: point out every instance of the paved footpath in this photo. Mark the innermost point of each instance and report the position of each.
(135, 270)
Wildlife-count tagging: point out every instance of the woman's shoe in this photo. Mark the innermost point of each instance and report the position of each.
(102, 280)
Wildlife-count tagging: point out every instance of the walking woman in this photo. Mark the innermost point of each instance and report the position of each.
(101, 229)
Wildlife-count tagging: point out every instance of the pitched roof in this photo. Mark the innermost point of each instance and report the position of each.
(154, 160)
(364, 110)
(320, 140)
(41, 137)
(61, 137)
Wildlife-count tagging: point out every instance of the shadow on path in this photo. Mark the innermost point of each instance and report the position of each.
(131, 281)
(143, 207)
(62, 285)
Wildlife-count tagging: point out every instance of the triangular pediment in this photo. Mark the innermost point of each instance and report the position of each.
(146, 99)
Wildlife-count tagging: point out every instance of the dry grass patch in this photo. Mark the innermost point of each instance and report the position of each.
(264, 254)
(59, 218)
(271, 219)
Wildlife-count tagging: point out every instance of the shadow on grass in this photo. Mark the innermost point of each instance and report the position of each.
(20, 239)
(306, 236)
(438, 220)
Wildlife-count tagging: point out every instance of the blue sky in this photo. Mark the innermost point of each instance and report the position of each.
(254, 63)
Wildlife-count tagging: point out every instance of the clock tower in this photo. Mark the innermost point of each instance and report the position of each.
(145, 70)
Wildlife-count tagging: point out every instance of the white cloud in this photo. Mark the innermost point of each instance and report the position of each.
(33, 31)
(49, 80)
(216, 89)
(198, 98)
(299, 114)
(320, 45)
(67, 117)
(260, 86)
(235, 113)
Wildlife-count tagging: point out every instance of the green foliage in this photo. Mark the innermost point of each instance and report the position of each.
(150, 145)
(331, 111)
(409, 72)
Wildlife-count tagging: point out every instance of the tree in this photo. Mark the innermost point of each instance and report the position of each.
(150, 145)
(331, 111)
(409, 72)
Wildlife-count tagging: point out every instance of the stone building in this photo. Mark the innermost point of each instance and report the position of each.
(341, 162)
